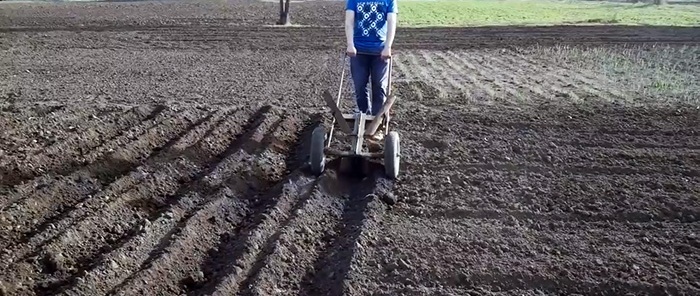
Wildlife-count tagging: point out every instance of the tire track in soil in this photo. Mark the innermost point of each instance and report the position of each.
(631, 145)
(289, 239)
(546, 150)
(342, 266)
(63, 158)
(614, 143)
(575, 153)
(266, 141)
(575, 169)
(44, 255)
(321, 234)
(239, 255)
(572, 159)
(632, 137)
(67, 192)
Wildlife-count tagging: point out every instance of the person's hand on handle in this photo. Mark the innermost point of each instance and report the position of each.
(391, 32)
(386, 53)
(351, 51)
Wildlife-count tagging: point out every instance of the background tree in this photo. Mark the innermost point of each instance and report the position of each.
(284, 13)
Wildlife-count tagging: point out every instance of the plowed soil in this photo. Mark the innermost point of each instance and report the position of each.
(160, 149)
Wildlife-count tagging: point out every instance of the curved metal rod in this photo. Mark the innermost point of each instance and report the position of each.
(337, 102)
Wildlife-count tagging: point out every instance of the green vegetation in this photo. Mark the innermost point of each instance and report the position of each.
(542, 12)
(653, 74)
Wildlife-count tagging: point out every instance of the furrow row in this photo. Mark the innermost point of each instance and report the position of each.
(194, 240)
(114, 219)
(68, 191)
(68, 217)
(65, 157)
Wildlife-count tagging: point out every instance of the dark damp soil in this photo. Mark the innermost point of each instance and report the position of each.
(160, 148)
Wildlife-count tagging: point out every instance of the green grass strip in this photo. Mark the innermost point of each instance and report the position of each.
(418, 13)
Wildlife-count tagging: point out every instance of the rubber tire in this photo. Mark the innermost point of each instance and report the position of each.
(317, 159)
(392, 154)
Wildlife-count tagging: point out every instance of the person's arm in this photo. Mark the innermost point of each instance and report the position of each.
(391, 21)
(390, 28)
(350, 27)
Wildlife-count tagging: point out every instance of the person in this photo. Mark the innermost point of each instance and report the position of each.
(370, 26)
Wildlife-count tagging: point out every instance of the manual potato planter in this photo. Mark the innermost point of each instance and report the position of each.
(363, 127)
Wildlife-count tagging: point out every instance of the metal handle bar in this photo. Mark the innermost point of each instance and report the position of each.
(340, 92)
(367, 53)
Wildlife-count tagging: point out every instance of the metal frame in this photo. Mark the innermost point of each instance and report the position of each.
(363, 125)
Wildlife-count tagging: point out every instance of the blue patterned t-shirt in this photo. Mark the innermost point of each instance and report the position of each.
(370, 23)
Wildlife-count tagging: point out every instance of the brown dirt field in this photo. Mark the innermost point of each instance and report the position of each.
(160, 149)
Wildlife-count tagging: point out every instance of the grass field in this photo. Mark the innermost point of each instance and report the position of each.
(542, 12)
(654, 74)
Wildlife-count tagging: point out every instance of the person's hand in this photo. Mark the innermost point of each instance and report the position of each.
(386, 53)
(351, 51)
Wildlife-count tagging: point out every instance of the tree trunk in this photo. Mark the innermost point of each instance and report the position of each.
(284, 13)
(660, 2)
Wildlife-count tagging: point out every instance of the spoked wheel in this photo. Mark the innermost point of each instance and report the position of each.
(392, 154)
(318, 158)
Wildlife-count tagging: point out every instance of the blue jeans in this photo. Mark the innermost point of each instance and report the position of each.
(364, 67)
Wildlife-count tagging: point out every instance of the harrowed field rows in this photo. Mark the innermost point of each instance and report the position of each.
(167, 152)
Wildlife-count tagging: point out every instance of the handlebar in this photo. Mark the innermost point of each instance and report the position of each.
(367, 53)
